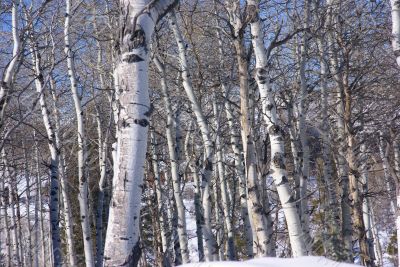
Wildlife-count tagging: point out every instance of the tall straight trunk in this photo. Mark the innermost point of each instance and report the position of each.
(278, 168)
(67, 212)
(396, 148)
(83, 195)
(240, 173)
(122, 247)
(375, 235)
(342, 165)
(237, 155)
(211, 249)
(7, 76)
(40, 204)
(386, 172)
(160, 201)
(36, 217)
(366, 203)
(197, 193)
(231, 250)
(29, 259)
(356, 200)
(12, 194)
(54, 154)
(334, 243)
(102, 150)
(5, 203)
(174, 163)
(305, 149)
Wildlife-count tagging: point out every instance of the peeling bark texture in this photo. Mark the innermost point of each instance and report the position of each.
(278, 168)
(122, 245)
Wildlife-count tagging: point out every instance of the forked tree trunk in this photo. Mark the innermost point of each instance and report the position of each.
(131, 77)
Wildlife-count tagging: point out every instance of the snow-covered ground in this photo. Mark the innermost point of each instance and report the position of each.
(275, 262)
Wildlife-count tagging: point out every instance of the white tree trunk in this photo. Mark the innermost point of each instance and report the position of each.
(83, 195)
(211, 250)
(131, 78)
(6, 82)
(231, 250)
(396, 29)
(174, 163)
(277, 143)
(67, 213)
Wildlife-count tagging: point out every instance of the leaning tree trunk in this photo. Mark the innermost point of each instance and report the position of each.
(54, 153)
(211, 249)
(122, 246)
(277, 143)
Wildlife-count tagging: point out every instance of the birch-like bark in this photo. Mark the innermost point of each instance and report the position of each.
(12, 194)
(54, 154)
(131, 79)
(190, 158)
(29, 259)
(6, 82)
(386, 172)
(278, 168)
(256, 211)
(238, 158)
(211, 250)
(83, 195)
(174, 163)
(395, 5)
(160, 200)
(5, 202)
(305, 149)
(231, 250)
(366, 203)
(67, 212)
(396, 148)
(342, 166)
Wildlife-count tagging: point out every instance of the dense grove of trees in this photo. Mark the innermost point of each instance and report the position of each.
(158, 132)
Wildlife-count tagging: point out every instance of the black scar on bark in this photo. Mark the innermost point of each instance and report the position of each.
(141, 122)
(132, 59)
(134, 256)
(283, 181)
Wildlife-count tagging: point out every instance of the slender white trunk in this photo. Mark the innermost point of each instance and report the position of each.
(342, 165)
(174, 163)
(4, 207)
(231, 250)
(122, 247)
(83, 195)
(386, 172)
(160, 199)
(28, 257)
(67, 212)
(211, 250)
(6, 82)
(190, 158)
(278, 168)
(396, 29)
(305, 149)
